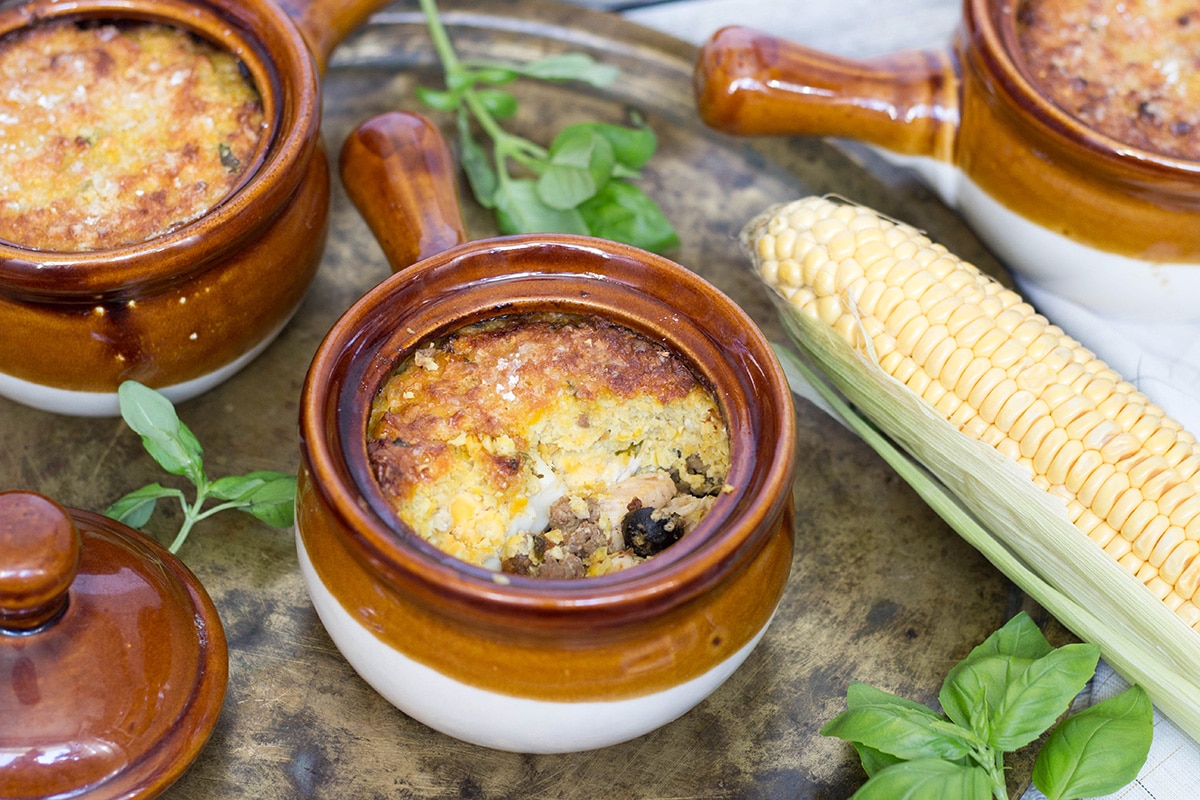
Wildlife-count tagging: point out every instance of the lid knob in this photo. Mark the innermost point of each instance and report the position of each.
(39, 558)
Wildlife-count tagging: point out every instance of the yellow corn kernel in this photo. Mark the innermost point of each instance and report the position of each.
(981, 357)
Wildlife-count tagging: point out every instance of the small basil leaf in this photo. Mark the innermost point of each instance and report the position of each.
(495, 74)
(900, 731)
(520, 210)
(240, 487)
(571, 67)
(278, 513)
(1040, 694)
(437, 99)
(136, 508)
(975, 687)
(632, 147)
(1099, 750)
(622, 212)
(580, 162)
(168, 441)
(267, 495)
(499, 104)
(475, 163)
(924, 778)
(860, 694)
(1020, 637)
(563, 187)
(873, 760)
(864, 694)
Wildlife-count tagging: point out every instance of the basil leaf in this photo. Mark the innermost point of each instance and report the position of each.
(477, 72)
(1098, 750)
(1020, 636)
(570, 67)
(520, 210)
(1040, 694)
(860, 694)
(874, 761)
(622, 212)
(975, 687)
(900, 731)
(632, 147)
(580, 162)
(924, 778)
(168, 441)
(136, 508)
(475, 163)
(437, 99)
(267, 495)
(864, 694)
(240, 487)
(500, 104)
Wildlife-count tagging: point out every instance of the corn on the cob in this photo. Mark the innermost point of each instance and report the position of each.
(1002, 374)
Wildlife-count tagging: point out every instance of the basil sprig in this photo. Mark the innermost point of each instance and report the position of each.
(1005, 694)
(581, 184)
(265, 494)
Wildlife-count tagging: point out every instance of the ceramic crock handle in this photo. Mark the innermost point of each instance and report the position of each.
(752, 83)
(400, 174)
(39, 558)
(325, 23)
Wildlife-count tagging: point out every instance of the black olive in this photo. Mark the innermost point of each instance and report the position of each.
(649, 531)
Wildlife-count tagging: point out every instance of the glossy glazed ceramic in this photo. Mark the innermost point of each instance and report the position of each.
(1110, 227)
(183, 311)
(507, 661)
(113, 661)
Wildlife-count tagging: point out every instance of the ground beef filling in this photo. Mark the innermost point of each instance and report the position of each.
(114, 134)
(1129, 69)
(548, 445)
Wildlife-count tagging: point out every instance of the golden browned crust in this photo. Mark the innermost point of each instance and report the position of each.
(481, 434)
(1127, 68)
(113, 135)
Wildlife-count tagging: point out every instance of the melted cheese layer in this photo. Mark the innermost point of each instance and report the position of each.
(113, 135)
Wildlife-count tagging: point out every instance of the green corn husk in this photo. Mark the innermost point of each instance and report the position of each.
(992, 504)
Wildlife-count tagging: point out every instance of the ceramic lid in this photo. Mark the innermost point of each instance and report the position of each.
(113, 662)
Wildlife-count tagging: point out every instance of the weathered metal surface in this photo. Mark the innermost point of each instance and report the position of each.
(881, 591)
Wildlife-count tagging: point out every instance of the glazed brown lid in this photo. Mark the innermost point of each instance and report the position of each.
(113, 662)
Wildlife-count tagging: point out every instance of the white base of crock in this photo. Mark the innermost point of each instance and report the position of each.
(1110, 285)
(105, 404)
(495, 720)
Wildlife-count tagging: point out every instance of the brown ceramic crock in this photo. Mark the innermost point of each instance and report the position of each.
(1090, 219)
(507, 661)
(113, 661)
(183, 310)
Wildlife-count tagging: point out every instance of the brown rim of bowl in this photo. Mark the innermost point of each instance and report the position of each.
(366, 343)
(279, 63)
(995, 22)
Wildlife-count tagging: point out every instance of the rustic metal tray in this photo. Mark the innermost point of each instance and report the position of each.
(881, 590)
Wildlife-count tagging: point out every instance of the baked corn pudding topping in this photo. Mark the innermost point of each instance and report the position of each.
(557, 446)
(1127, 68)
(114, 134)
